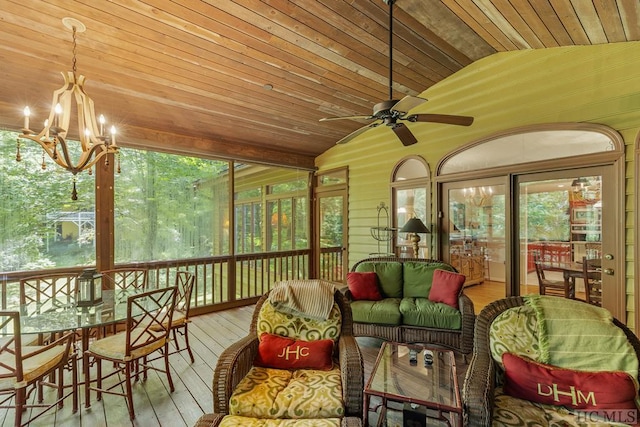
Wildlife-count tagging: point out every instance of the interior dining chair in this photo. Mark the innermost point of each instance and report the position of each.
(23, 370)
(148, 315)
(552, 287)
(592, 275)
(180, 322)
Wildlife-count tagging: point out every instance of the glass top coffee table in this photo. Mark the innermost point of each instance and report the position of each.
(411, 384)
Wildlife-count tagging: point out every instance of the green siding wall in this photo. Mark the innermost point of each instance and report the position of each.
(597, 84)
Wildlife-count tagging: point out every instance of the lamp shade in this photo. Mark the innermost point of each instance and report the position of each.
(414, 225)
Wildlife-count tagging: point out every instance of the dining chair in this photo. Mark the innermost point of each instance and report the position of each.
(553, 287)
(148, 315)
(23, 370)
(44, 293)
(180, 322)
(125, 281)
(592, 275)
(48, 291)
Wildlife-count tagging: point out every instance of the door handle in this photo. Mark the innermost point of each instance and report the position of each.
(608, 271)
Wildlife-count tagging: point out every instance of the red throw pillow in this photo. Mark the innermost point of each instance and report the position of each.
(446, 287)
(279, 352)
(364, 286)
(537, 382)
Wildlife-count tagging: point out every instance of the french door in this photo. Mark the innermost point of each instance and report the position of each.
(491, 229)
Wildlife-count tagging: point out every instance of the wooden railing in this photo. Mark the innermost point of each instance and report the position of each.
(220, 282)
(331, 267)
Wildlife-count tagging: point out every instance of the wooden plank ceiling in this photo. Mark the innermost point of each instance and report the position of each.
(250, 79)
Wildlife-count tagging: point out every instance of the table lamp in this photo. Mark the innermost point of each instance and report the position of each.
(415, 226)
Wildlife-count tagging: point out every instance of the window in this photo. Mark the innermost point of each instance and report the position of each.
(170, 207)
(41, 226)
(410, 194)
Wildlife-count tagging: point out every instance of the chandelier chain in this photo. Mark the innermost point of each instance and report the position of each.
(75, 46)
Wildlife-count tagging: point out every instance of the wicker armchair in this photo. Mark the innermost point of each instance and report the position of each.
(478, 391)
(237, 360)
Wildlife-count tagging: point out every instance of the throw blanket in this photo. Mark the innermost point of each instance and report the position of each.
(307, 298)
(580, 336)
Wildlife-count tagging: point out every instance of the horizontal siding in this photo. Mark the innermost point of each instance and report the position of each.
(596, 84)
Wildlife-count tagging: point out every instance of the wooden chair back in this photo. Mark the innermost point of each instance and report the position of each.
(149, 317)
(184, 285)
(49, 291)
(127, 281)
(592, 275)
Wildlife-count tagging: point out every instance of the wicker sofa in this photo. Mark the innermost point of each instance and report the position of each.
(237, 363)
(455, 332)
(507, 325)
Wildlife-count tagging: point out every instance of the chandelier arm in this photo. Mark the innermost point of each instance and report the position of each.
(85, 161)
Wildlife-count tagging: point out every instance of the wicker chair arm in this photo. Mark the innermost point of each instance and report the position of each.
(352, 373)
(233, 364)
(468, 323)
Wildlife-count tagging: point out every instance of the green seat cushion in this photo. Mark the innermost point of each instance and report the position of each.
(389, 276)
(425, 313)
(418, 277)
(384, 312)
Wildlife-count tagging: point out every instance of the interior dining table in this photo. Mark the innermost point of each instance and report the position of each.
(570, 270)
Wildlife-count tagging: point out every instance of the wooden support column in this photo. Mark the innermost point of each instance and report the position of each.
(105, 242)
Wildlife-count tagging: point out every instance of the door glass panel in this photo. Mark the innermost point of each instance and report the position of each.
(560, 227)
(477, 232)
(331, 237)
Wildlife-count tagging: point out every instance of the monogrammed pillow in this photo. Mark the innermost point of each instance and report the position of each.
(536, 382)
(279, 352)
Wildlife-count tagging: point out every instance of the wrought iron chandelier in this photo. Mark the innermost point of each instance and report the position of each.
(93, 142)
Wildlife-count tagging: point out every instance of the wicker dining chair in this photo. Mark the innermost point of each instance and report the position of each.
(238, 360)
(148, 315)
(23, 370)
(592, 276)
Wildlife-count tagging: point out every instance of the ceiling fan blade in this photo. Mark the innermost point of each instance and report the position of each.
(404, 134)
(441, 118)
(328, 119)
(358, 132)
(407, 103)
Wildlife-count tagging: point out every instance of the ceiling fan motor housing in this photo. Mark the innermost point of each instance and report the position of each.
(383, 109)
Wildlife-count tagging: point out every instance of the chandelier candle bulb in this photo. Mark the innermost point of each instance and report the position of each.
(102, 121)
(27, 113)
(113, 135)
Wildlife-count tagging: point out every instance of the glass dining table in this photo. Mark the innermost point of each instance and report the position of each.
(50, 319)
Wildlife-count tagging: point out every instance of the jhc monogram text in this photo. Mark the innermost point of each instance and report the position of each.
(294, 353)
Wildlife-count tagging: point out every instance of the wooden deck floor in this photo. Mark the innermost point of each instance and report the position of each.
(210, 334)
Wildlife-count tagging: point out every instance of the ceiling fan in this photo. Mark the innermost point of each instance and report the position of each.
(393, 112)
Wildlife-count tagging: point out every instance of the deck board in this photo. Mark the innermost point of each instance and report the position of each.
(209, 335)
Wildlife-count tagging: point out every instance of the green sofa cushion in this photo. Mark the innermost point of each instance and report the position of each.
(418, 277)
(424, 313)
(389, 276)
(385, 312)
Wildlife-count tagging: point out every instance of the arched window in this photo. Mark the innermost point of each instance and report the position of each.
(411, 198)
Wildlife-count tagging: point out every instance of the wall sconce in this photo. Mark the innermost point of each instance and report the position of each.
(415, 226)
(89, 288)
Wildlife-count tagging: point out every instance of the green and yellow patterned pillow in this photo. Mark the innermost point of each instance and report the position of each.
(291, 326)
(515, 331)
